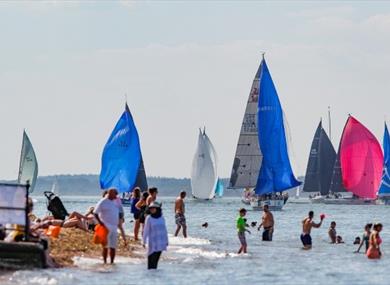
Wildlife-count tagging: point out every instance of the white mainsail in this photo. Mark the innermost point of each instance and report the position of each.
(28, 166)
(204, 175)
(247, 161)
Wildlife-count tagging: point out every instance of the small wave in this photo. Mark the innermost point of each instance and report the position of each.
(187, 241)
(201, 253)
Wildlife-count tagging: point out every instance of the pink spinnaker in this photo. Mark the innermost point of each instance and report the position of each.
(361, 160)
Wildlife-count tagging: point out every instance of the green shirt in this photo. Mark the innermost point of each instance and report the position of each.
(240, 224)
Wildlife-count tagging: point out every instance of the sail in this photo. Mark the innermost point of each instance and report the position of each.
(141, 180)
(204, 174)
(275, 172)
(322, 158)
(384, 190)
(336, 184)
(219, 188)
(28, 166)
(361, 160)
(122, 159)
(247, 160)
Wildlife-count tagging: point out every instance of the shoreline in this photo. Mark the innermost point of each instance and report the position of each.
(73, 243)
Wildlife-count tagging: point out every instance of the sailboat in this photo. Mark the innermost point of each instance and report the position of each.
(320, 165)
(122, 163)
(361, 164)
(204, 177)
(28, 165)
(384, 190)
(261, 161)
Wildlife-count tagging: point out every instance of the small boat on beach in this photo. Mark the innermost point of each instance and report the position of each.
(262, 159)
(205, 183)
(122, 163)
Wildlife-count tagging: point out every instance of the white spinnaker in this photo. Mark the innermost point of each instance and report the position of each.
(204, 173)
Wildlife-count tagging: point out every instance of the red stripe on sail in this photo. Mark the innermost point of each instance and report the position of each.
(361, 160)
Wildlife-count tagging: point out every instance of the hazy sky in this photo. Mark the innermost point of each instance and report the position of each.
(65, 67)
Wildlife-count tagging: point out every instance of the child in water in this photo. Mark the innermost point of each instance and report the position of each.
(241, 229)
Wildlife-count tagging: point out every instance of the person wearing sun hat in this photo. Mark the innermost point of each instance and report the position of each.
(155, 234)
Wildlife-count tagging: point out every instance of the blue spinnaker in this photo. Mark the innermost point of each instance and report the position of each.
(384, 190)
(219, 188)
(276, 173)
(121, 157)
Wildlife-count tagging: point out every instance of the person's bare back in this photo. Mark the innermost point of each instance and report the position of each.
(179, 206)
(307, 224)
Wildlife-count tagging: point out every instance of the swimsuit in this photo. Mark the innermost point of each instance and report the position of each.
(180, 219)
(306, 239)
(267, 234)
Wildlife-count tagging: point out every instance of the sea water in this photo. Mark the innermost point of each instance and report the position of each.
(209, 256)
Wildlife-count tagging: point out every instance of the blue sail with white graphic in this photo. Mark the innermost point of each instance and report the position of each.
(219, 188)
(384, 190)
(121, 157)
(276, 174)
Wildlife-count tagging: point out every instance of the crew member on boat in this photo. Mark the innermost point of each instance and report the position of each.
(267, 221)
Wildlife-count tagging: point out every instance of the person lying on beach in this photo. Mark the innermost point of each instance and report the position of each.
(68, 223)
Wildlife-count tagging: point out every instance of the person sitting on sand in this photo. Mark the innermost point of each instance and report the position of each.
(107, 214)
(365, 238)
(307, 225)
(332, 232)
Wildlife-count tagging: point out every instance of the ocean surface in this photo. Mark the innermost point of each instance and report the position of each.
(209, 256)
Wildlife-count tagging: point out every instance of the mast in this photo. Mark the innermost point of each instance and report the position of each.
(330, 124)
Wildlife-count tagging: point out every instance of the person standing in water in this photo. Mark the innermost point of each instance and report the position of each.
(241, 229)
(135, 197)
(107, 214)
(155, 235)
(180, 219)
(152, 196)
(366, 237)
(332, 232)
(374, 251)
(267, 221)
(307, 225)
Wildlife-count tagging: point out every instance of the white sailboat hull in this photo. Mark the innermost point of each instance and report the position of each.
(273, 204)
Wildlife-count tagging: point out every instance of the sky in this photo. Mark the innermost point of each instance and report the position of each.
(65, 68)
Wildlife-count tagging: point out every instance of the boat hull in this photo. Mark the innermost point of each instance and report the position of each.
(273, 204)
(15, 255)
(349, 201)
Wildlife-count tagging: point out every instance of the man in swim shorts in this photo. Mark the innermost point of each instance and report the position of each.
(180, 219)
(307, 225)
(267, 221)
